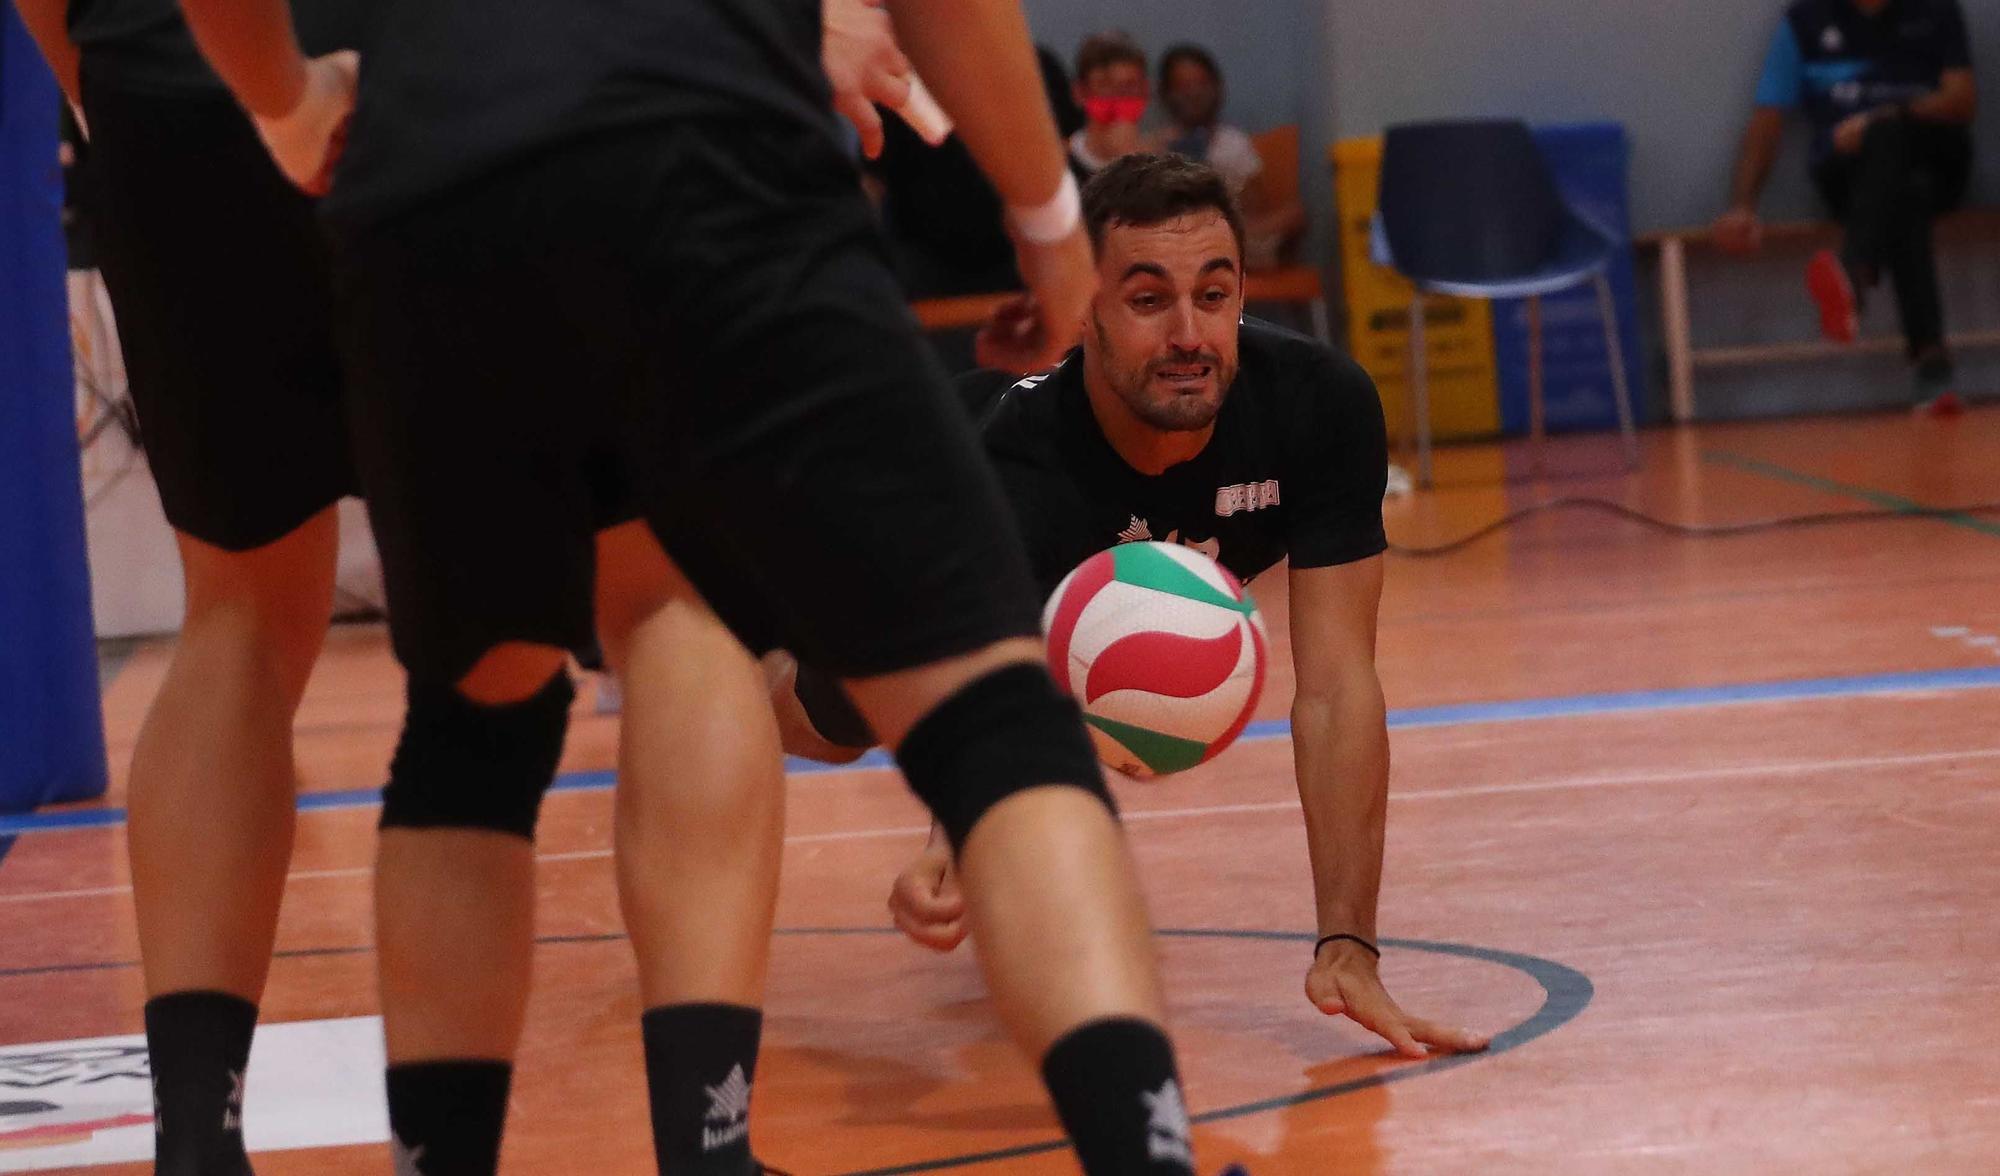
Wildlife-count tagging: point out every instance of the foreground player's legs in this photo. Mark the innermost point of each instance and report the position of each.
(699, 820)
(847, 491)
(1052, 898)
(455, 900)
(212, 799)
(699, 832)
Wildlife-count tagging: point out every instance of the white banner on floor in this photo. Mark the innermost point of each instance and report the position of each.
(67, 1104)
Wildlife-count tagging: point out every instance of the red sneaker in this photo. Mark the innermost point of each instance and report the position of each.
(1944, 404)
(1831, 289)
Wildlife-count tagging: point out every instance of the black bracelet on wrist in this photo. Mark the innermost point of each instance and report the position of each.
(1370, 948)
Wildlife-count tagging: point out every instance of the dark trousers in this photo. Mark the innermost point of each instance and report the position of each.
(1886, 197)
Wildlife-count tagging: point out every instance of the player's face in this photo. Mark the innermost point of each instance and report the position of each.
(1192, 94)
(1164, 320)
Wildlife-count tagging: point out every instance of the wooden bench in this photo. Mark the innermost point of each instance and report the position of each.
(1684, 358)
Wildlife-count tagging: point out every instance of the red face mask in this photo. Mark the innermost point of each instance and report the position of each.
(1114, 110)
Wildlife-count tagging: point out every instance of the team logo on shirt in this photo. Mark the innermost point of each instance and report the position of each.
(1138, 531)
(1831, 40)
(1231, 500)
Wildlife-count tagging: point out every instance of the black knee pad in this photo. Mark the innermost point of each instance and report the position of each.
(460, 765)
(1004, 733)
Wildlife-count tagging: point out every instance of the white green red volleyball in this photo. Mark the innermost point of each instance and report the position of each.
(1165, 651)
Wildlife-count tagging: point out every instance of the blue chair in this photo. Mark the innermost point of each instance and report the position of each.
(1469, 209)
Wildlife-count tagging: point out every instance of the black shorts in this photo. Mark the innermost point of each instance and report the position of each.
(219, 277)
(708, 310)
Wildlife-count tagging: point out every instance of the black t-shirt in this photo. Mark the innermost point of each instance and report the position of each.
(144, 44)
(1295, 467)
(1833, 60)
(454, 89)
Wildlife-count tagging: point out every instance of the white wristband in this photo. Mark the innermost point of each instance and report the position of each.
(1046, 224)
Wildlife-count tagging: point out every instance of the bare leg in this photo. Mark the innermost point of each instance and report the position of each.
(213, 793)
(454, 932)
(701, 785)
(213, 783)
(700, 834)
(1053, 962)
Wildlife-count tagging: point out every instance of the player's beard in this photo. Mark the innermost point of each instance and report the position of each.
(1170, 411)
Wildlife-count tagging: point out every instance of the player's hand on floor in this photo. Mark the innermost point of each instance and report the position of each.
(306, 143)
(1344, 981)
(1032, 333)
(926, 902)
(864, 65)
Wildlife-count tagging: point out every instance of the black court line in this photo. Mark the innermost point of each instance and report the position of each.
(1566, 993)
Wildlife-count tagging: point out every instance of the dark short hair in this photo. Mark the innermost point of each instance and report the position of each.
(1150, 189)
(1107, 48)
(1187, 52)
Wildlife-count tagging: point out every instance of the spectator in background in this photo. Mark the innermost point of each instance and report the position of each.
(1192, 91)
(1111, 87)
(1888, 88)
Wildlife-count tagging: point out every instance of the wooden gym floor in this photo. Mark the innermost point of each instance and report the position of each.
(1707, 830)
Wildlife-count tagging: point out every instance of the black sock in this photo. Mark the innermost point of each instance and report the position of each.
(447, 1116)
(700, 1061)
(1119, 1097)
(199, 1045)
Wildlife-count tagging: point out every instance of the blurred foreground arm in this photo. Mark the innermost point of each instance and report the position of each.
(48, 24)
(300, 105)
(978, 58)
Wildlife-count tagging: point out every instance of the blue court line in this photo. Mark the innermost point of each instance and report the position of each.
(1691, 698)
(1456, 715)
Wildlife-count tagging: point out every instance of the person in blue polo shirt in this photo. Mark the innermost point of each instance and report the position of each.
(1888, 88)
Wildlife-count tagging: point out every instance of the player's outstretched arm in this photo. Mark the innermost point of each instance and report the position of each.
(978, 59)
(1340, 739)
(300, 104)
